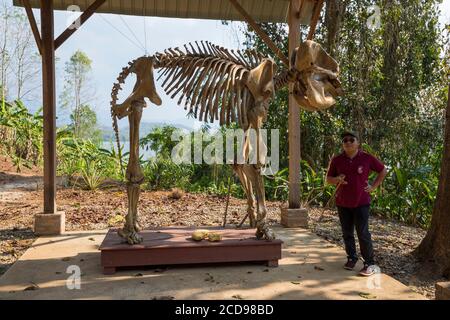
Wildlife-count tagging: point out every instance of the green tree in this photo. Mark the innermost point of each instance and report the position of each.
(160, 141)
(393, 77)
(87, 124)
(435, 247)
(19, 57)
(78, 94)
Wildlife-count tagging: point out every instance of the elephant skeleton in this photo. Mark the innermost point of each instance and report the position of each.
(217, 84)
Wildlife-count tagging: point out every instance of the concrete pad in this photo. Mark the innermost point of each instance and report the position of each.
(311, 268)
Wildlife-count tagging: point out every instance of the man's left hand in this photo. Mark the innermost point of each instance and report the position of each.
(369, 188)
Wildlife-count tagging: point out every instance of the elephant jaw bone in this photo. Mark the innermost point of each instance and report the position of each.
(144, 87)
(316, 84)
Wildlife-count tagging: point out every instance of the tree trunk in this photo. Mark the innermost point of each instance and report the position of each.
(334, 14)
(435, 247)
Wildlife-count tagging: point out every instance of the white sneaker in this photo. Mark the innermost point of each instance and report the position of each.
(367, 270)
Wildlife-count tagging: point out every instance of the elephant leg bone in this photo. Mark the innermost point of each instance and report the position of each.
(247, 186)
(130, 231)
(253, 171)
(262, 228)
(134, 176)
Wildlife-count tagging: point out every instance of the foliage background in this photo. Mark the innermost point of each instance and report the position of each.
(395, 80)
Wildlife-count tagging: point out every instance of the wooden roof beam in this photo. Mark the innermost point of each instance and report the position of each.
(82, 19)
(33, 24)
(261, 33)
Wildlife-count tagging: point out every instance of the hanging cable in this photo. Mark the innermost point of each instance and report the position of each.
(131, 31)
(144, 14)
(115, 28)
(145, 34)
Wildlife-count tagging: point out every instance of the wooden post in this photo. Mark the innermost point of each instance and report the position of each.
(294, 111)
(294, 215)
(49, 104)
(51, 221)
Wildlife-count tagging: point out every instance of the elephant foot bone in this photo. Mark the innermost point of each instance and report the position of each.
(131, 236)
(137, 227)
(263, 232)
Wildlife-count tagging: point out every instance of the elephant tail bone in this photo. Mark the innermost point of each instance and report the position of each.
(114, 93)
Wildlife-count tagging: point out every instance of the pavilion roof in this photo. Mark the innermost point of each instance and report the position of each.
(260, 10)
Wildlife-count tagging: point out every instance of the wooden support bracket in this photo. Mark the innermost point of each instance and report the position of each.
(260, 33)
(81, 20)
(315, 19)
(33, 24)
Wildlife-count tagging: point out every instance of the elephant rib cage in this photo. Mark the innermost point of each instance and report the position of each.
(209, 79)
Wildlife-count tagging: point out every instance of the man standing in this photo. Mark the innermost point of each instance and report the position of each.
(349, 171)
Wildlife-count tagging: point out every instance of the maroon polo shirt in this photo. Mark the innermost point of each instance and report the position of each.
(356, 171)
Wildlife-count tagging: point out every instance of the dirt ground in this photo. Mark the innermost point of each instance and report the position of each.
(21, 198)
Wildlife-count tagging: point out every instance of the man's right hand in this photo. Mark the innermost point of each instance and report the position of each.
(340, 179)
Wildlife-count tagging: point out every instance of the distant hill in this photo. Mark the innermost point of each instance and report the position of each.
(145, 128)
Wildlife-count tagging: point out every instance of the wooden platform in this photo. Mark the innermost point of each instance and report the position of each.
(170, 246)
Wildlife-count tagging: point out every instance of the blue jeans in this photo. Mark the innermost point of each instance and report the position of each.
(358, 218)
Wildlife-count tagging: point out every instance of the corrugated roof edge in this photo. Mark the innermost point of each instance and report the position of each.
(158, 12)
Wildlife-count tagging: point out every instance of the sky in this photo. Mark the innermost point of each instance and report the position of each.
(445, 12)
(111, 41)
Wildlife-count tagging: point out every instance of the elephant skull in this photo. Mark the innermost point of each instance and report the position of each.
(315, 77)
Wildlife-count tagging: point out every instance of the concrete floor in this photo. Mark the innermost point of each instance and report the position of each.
(311, 268)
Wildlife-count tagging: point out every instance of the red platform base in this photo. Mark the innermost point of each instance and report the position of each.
(170, 246)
